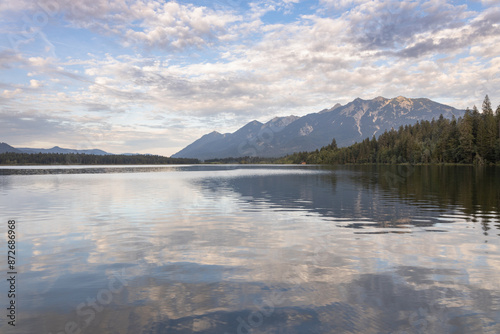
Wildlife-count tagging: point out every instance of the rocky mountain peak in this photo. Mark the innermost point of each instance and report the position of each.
(348, 123)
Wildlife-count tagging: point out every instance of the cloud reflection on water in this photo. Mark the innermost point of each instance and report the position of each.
(204, 247)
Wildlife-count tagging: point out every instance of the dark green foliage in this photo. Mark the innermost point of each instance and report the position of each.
(466, 138)
(241, 160)
(473, 138)
(487, 132)
(87, 159)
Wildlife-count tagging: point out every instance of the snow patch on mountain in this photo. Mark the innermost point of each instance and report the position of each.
(307, 129)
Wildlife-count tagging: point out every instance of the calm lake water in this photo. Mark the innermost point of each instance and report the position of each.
(253, 249)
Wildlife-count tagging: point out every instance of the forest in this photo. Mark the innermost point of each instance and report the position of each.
(88, 159)
(471, 139)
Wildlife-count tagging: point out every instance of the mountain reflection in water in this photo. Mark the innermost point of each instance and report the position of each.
(256, 249)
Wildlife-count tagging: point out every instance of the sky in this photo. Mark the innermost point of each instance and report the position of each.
(150, 76)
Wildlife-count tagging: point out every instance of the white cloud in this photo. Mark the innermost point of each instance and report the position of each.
(246, 69)
(35, 84)
(9, 94)
(155, 24)
(16, 6)
(490, 2)
(175, 26)
(340, 4)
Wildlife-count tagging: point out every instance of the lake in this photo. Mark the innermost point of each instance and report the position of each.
(253, 249)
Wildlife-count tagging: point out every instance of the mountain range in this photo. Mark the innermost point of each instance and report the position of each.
(348, 124)
(5, 148)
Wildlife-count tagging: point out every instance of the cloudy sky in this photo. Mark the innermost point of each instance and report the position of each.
(152, 76)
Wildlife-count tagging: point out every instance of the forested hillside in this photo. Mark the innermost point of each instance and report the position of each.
(473, 138)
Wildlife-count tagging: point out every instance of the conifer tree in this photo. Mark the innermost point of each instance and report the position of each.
(487, 105)
(497, 144)
(466, 138)
(476, 118)
(487, 132)
(497, 117)
(333, 145)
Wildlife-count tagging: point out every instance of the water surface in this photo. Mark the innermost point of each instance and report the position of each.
(254, 249)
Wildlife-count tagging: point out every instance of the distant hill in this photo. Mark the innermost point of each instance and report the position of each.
(63, 156)
(6, 148)
(57, 149)
(348, 124)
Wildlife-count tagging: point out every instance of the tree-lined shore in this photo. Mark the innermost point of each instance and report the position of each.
(471, 139)
(88, 159)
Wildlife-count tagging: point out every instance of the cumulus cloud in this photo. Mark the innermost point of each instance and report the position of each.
(452, 39)
(153, 24)
(177, 26)
(307, 57)
(222, 66)
(393, 25)
(9, 94)
(35, 84)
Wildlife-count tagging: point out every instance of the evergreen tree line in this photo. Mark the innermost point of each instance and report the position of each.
(87, 159)
(242, 160)
(471, 139)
